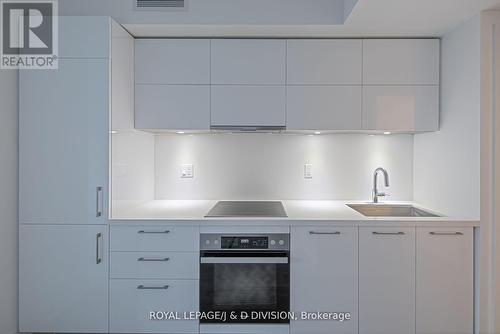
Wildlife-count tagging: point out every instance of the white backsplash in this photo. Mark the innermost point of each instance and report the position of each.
(271, 166)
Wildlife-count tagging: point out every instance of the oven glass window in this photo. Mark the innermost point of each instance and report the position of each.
(249, 287)
(245, 286)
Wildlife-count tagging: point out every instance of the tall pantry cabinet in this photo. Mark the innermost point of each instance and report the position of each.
(63, 182)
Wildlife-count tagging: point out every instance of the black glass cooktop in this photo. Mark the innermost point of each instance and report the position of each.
(270, 209)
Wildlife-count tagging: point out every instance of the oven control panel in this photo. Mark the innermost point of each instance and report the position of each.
(245, 242)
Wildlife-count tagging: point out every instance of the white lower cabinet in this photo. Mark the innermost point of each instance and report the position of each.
(132, 303)
(386, 280)
(445, 281)
(63, 278)
(324, 277)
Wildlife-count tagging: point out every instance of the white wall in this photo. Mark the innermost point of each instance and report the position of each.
(447, 162)
(8, 201)
(270, 166)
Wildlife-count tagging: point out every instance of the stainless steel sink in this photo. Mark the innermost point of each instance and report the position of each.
(390, 210)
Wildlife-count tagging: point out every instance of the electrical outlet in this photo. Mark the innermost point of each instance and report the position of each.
(186, 171)
(308, 174)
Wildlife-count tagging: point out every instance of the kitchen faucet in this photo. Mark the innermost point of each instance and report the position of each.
(376, 194)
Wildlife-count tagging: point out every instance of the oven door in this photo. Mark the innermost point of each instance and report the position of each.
(245, 281)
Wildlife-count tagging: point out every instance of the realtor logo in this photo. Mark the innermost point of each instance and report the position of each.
(29, 34)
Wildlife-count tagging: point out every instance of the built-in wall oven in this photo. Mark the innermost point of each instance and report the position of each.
(247, 276)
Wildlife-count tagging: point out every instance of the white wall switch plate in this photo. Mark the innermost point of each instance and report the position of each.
(186, 171)
(308, 174)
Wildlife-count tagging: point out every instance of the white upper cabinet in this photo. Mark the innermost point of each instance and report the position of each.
(172, 78)
(401, 62)
(63, 143)
(401, 108)
(445, 281)
(237, 105)
(323, 108)
(248, 61)
(387, 280)
(324, 62)
(172, 61)
(184, 107)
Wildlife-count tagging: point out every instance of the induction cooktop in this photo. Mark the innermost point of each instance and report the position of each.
(271, 209)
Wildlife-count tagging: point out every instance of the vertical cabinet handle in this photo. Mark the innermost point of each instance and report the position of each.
(98, 248)
(99, 202)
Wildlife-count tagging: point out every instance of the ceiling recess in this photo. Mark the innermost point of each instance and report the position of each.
(159, 4)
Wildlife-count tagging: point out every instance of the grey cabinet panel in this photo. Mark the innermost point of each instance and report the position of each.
(62, 287)
(323, 108)
(324, 62)
(63, 143)
(184, 107)
(401, 61)
(172, 61)
(248, 61)
(248, 106)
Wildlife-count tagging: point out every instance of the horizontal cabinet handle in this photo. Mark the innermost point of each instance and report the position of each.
(153, 232)
(446, 233)
(150, 287)
(144, 259)
(388, 233)
(324, 233)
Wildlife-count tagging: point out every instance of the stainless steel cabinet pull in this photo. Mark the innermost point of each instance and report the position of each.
(147, 287)
(327, 233)
(99, 202)
(143, 259)
(446, 233)
(98, 240)
(153, 232)
(388, 233)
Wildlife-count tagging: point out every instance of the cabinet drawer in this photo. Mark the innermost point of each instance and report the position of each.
(131, 302)
(154, 265)
(155, 238)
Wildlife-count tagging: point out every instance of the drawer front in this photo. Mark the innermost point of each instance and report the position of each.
(132, 301)
(154, 265)
(154, 238)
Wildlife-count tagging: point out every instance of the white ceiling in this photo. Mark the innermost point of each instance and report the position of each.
(415, 18)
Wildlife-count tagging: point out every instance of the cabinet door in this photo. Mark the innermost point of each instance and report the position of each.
(323, 108)
(63, 278)
(401, 62)
(324, 277)
(132, 301)
(248, 106)
(401, 108)
(63, 143)
(445, 288)
(248, 61)
(182, 107)
(172, 61)
(386, 280)
(324, 62)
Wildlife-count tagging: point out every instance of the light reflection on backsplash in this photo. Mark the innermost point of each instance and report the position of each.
(271, 166)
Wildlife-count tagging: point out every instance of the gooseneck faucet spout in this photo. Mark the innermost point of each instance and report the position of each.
(376, 193)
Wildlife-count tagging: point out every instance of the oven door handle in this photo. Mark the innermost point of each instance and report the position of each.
(277, 260)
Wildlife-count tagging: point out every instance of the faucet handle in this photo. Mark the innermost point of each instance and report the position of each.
(384, 194)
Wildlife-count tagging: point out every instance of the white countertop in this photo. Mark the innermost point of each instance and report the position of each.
(303, 211)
